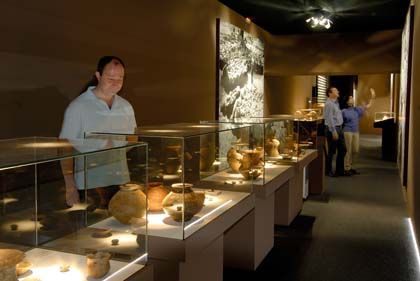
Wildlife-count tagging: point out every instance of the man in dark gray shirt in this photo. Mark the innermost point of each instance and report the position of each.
(334, 132)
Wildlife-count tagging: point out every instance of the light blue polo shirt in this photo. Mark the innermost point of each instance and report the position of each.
(87, 113)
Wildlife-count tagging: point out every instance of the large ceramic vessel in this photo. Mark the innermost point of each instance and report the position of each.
(156, 192)
(234, 159)
(8, 260)
(98, 264)
(182, 196)
(207, 157)
(272, 147)
(128, 203)
(172, 159)
(251, 158)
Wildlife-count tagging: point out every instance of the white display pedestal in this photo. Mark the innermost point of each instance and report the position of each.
(248, 242)
(289, 198)
(200, 256)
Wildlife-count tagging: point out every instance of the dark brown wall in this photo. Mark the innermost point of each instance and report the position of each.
(347, 53)
(49, 49)
(330, 54)
(286, 94)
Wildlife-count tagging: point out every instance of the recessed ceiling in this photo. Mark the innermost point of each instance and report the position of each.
(289, 16)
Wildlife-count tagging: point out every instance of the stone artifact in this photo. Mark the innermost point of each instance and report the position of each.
(64, 268)
(155, 194)
(249, 174)
(102, 233)
(32, 279)
(23, 267)
(272, 147)
(9, 258)
(234, 159)
(98, 264)
(128, 203)
(115, 242)
(183, 195)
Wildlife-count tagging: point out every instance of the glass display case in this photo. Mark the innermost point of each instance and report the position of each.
(278, 137)
(309, 114)
(382, 116)
(309, 128)
(190, 179)
(56, 196)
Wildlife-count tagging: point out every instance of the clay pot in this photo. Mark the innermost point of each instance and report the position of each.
(172, 159)
(23, 267)
(155, 194)
(289, 145)
(8, 260)
(172, 165)
(182, 195)
(272, 147)
(250, 173)
(98, 264)
(234, 159)
(251, 158)
(207, 158)
(311, 115)
(128, 203)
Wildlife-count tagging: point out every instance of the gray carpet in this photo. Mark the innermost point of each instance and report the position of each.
(357, 231)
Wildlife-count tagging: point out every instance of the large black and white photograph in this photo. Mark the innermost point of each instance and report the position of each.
(241, 74)
(403, 115)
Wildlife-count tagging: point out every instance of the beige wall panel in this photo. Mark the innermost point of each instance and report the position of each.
(381, 84)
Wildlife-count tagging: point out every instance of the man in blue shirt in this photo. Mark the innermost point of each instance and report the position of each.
(334, 132)
(351, 119)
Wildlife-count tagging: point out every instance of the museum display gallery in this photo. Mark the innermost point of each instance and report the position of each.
(222, 153)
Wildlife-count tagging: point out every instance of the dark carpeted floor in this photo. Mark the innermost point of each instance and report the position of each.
(357, 231)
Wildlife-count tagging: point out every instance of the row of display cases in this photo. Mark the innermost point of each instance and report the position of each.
(80, 209)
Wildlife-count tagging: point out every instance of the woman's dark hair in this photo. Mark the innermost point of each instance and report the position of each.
(100, 68)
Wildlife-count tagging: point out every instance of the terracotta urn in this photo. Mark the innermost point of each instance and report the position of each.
(172, 165)
(156, 192)
(9, 258)
(312, 115)
(23, 267)
(128, 203)
(172, 159)
(182, 196)
(251, 158)
(207, 158)
(98, 264)
(272, 147)
(234, 159)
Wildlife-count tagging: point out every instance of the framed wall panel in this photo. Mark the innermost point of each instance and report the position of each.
(240, 73)
(405, 93)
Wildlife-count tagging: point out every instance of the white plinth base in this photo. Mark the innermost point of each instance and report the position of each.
(248, 242)
(204, 266)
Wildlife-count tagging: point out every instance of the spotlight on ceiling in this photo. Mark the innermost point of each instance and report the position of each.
(320, 21)
(248, 20)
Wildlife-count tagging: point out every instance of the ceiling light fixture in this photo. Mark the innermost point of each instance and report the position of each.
(320, 21)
